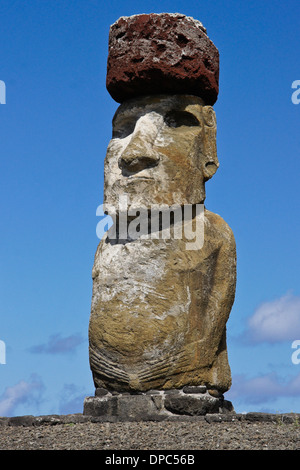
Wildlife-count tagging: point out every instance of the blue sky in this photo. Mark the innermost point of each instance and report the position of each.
(55, 127)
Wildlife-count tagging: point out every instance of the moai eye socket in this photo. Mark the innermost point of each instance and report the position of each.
(181, 118)
(123, 128)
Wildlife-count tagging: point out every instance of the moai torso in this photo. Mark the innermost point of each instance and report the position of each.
(159, 312)
(160, 305)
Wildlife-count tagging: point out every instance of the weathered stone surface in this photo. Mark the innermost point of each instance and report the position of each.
(192, 405)
(163, 150)
(159, 309)
(164, 274)
(53, 420)
(159, 312)
(165, 404)
(49, 420)
(126, 407)
(166, 53)
(26, 420)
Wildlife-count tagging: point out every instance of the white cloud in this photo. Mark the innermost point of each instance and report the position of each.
(264, 388)
(275, 321)
(21, 393)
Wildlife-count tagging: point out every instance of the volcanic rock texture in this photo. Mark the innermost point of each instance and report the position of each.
(161, 53)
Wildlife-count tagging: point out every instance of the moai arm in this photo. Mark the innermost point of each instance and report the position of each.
(220, 247)
(222, 293)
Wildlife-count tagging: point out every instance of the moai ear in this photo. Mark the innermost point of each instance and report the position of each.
(209, 116)
(210, 159)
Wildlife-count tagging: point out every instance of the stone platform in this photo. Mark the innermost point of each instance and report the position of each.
(155, 404)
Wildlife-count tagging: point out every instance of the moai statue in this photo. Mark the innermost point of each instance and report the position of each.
(160, 304)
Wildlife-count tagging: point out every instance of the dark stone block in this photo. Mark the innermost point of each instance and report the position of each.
(227, 406)
(192, 405)
(97, 406)
(125, 407)
(261, 417)
(172, 391)
(100, 392)
(26, 420)
(194, 389)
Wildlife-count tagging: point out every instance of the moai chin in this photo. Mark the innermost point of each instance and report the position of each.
(159, 310)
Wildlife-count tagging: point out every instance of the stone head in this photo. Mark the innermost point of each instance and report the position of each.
(162, 151)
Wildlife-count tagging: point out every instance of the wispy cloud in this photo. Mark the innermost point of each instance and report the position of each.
(264, 388)
(21, 393)
(71, 399)
(58, 345)
(275, 321)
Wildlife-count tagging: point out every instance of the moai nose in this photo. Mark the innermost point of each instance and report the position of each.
(139, 153)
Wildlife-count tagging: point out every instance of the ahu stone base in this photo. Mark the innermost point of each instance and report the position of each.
(155, 405)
